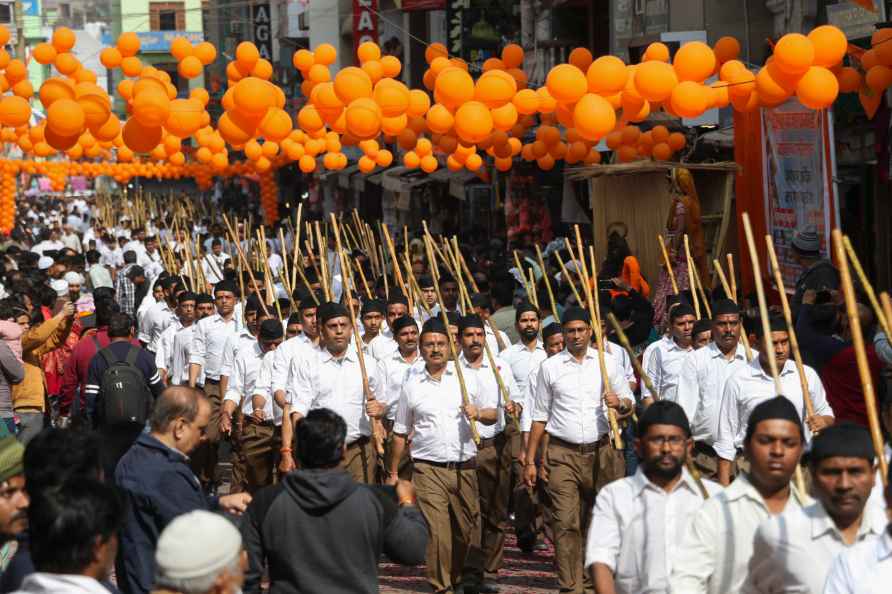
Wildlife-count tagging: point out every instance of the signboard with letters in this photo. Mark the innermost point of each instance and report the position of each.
(365, 22)
(263, 30)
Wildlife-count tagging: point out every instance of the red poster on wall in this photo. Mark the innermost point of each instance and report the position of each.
(365, 23)
(410, 5)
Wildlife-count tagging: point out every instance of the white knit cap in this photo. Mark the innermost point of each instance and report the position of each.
(60, 286)
(73, 278)
(44, 262)
(196, 544)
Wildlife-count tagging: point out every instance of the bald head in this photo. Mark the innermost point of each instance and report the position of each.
(175, 402)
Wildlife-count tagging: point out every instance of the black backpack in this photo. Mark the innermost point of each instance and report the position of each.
(124, 393)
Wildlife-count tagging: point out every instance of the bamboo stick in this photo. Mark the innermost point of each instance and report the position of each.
(868, 287)
(691, 280)
(733, 278)
(743, 336)
(526, 286)
(668, 264)
(377, 428)
(323, 264)
(599, 338)
(767, 342)
(873, 418)
(554, 309)
(791, 327)
(566, 275)
(394, 261)
(247, 266)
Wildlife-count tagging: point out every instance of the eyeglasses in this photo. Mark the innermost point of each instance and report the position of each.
(673, 440)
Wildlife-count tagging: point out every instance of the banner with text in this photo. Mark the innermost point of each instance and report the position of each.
(798, 167)
(365, 23)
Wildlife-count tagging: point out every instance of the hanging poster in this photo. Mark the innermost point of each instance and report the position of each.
(365, 23)
(799, 166)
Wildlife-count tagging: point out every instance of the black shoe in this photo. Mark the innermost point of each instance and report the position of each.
(468, 589)
(526, 543)
(488, 587)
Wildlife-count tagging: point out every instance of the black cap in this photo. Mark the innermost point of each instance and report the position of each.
(397, 298)
(425, 281)
(435, 326)
(724, 307)
(402, 322)
(664, 412)
(135, 271)
(329, 311)
(775, 324)
(271, 330)
(842, 440)
(524, 307)
(372, 306)
(203, 298)
(226, 285)
(681, 310)
(575, 314)
(778, 407)
(481, 300)
(550, 330)
(470, 321)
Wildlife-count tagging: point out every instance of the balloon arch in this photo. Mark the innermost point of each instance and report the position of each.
(456, 118)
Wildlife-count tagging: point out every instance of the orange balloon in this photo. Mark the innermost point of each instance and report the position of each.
(581, 58)
(662, 151)
(566, 83)
(392, 96)
(526, 101)
(505, 117)
(689, 99)
(453, 87)
(190, 67)
(139, 138)
(473, 162)
(547, 103)
(593, 117)
(201, 95)
(495, 88)
(794, 54)
(109, 130)
(61, 143)
(473, 122)
(63, 39)
(439, 119)
(14, 111)
(869, 59)
(435, 50)
(276, 125)
(512, 56)
(694, 61)
(730, 68)
(253, 96)
(66, 63)
(246, 55)
(184, 117)
(419, 103)
(390, 66)
(819, 88)
(393, 126)
(411, 160)
(352, 83)
(110, 57)
(44, 53)
(742, 85)
(429, 163)
(65, 118)
(96, 109)
(655, 80)
(773, 86)
(309, 119)
(128, 44)
(131, 66)
(180, 47)
(363, 118)
(878, 78)
(726, 48)
(205, 52)
(656, 51)
(830, 45)
(659, 133)
(325, 54)
(849, 80)
(151, 108)
(607, 75)
(307, 164)
(677, 141)
(368, 50)
(614, 140)
(54, 89)
(881, 46)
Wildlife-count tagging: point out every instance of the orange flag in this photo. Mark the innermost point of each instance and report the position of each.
(866, 4)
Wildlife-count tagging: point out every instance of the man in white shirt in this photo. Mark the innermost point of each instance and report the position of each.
(161, 315)
(497, 340)
(397, 368)
(214, 262)
(750, 385)
(397, 307)
(98, 274)
(449, 293)
(662, 359)
(260, 434)
(701, 383)
(444, 455)
(494, 451)
(638, 520)
(371, 317)
(209, 338)
(712, 556)
(865, 568)
(164, 353)
(571, 405)
(330, 377)
(181, 347)
(529, 351)
(793, 552)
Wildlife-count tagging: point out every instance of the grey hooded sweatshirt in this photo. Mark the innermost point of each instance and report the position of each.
(321, 532)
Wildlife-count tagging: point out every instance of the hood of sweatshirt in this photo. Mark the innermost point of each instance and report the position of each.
(319, 490)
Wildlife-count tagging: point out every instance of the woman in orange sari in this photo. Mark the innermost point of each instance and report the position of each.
(620, 264)
(684, 219)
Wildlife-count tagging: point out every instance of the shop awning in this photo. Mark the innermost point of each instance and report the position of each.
(344, 176)
(455, 179)
(403, 179)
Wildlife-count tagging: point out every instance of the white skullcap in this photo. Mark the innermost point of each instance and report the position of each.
(73, 278)
(60, 286)
(196, 544)
(44, 262)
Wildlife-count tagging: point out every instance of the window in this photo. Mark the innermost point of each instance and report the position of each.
(167, 16)
(5, 13)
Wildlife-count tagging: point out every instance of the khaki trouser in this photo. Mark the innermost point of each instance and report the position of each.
(574, 480)
(494, 482)
(404, 468)
(238, 482)
(260, 444)
(532, 507)
(204, 458)
(360, 461)
(449, 501)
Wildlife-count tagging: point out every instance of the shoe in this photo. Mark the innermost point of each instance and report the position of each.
(526, 542)
(467, 589)
(488, 587)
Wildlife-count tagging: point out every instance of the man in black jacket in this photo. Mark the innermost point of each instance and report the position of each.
(319, 530)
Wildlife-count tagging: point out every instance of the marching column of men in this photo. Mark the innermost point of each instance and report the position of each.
(659, 529)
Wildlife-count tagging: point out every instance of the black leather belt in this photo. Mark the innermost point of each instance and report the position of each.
(466, 465)
(488, 442)
(580, 448)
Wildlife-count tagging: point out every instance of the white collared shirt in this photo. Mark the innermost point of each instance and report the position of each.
(432, 408)
(157, 319)
(662, 363)
(178, 373)
(626, 363)
(324, 381)
(245, 382)
(212, 266)
(793, 552)
(209, 338)
(701, 383)
(521, 360)
(234, 344)
(748, 387)
(493, 342)
(287, 359)
(568, 396)
(866, 568)
(396, 371)
(381, 347)
(529, 396)
(164, 346)
(712, 556)
(489, 394)
(636, 525)
(877, 499)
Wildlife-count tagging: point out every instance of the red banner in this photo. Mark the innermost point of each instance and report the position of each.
(365, 23)
(410, 5)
